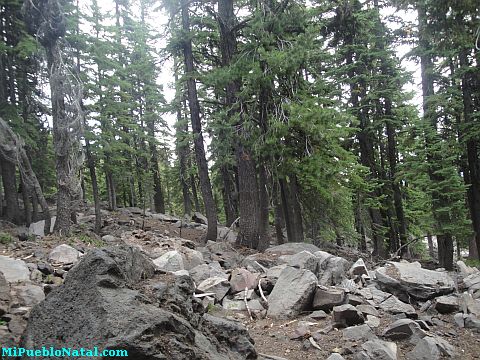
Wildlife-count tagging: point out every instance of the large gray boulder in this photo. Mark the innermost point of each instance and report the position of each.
(113, 300)
(303, 260)
(205, 271)
(64, 254)
(431, 348)
(332, 270)
(377, 350)
(409, 279)
(291, 248)
(170, 261)
(326, 298)
(14, 270)
(293, 293)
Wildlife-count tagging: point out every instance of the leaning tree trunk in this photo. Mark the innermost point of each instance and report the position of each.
(46, 20)
(205, 185)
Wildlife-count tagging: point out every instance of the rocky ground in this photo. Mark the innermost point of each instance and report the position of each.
(150, 286)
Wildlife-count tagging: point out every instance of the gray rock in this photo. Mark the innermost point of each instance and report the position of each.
(409, 279)
(394, 306)
(367, 310)
(37, 228)
(226, 234)
(472, 280)
(303, 260)
(318, 315)
(403, 329)
(233, 305)
(45, 268)
(217, 285)
(293, 293)
(292, 248)
(28, 294)
(466, 270)
(205, 271)
(377, 350)
(360, 332)
(255, 305)
(358, 268)
(109, 239)
(14, 270)
(199, 218)
(241, 279)
(335, 356)
(275, 271)
(347, 315)
(332, 269)
(165, 218)
(4, 295)
(446, 304)
(326, 299)
(99, 306)
(372, 321)
(431, 348)
(470, 304)
(191, 258)
(64, 254)
(471, 322)
(459, 319)
(170, 261)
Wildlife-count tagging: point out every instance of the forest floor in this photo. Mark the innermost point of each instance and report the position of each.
(272, 337)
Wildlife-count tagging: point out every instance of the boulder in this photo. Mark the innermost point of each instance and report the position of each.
(241, 279)
(466, 270)
(199, 218)
(205, 271)
(38, 228)
(217, 285)
(358, 268)
(14, 270)
(28, 294)
(109, 239)
(4, 295)
(471, 322)
(275, 271)
(226, 234)
(234, 305)
(293, 293)
(409, 279)
(347, 315)
(108, 301)
(303, 260)
(360, 332)
(318, 315)
(367, 310)
(403, 329)
(326, 298)
(64, 254)
(377, 350)
(470, 304)
(191, 258)
(170, 261)
(390, 303)
(372, 321)
(431, 348)
(472, 280)
(446, 304)
(335, 356)
(332, 269)
(292, 248)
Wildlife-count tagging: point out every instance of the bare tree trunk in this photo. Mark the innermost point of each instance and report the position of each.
(12, 211)
(194, 106)
(279, 219)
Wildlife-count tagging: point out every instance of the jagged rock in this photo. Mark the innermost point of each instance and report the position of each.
(64, 254)
(459, 319)
(226, 234)
(275, 271)
(108, 301)
(358, 268)
(303, 260)
(191, 258)
(367, 310)
(202, 272)
(335, 356)
(355, 300)
(372, 321)
(4, 295)
(318, 315)
(326, 299)
(390, 303)
(466, 270)
(332, 269)
(471, 322)
(199, 218)
(292, 248)
(431, 348)
(403, 329)
(446, 304)
(292, 293)
(170, 261)
(241, 279)
(359, 332)
(470, 304)
(472, 281)
(38, 228)
(28, 294)
(409, 279)
(45, 268)
(377, 350)
(347, 315)
(14, 270)
(255, 305)
(218, 285)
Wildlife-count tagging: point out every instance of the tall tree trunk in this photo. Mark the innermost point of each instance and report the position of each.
(279, 217)
(439, 200)
(12, 211)
(472, 145)
(194, 106)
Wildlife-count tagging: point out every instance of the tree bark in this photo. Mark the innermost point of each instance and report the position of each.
(194, 106)
(12, 211)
